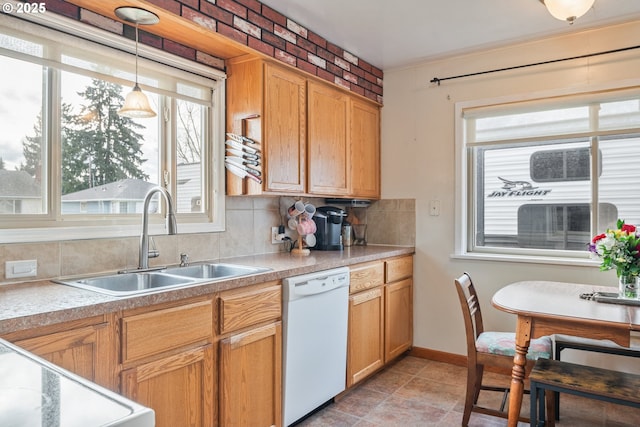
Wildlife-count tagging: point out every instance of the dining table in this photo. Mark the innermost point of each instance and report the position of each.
(545, 308)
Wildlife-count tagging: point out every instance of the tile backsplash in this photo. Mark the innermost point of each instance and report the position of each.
(248, 232)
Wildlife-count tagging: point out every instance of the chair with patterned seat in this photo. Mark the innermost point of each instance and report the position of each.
(492, 350)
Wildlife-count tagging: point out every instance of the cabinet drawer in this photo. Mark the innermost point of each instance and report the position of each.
(398, 268)
(151, 333)
(241, 309)
(365, 276)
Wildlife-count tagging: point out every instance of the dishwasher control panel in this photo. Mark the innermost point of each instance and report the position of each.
(315, 283)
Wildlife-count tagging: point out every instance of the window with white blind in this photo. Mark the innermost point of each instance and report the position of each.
(71, 167)
(541, 177)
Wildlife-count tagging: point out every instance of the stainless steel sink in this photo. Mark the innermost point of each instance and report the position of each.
(214, 271)
(137, 282)
(129, 283)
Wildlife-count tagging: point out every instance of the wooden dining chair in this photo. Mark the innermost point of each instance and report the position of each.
(492, 350)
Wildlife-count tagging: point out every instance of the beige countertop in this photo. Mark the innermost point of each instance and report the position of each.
(34, 304)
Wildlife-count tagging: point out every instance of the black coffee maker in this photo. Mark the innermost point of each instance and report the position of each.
(328, 221)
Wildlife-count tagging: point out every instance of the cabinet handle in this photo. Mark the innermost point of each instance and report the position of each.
(366, 296)
(246, 338)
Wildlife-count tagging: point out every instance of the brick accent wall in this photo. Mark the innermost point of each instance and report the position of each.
(255, 25)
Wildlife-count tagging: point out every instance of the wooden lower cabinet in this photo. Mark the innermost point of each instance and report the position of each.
(380, 315)
(200, 364)
(251, 378)
(179, 388)
(168, 361)
(398, 306)
(250, 350)
(365, 353)
(398, 315)
(86, 348)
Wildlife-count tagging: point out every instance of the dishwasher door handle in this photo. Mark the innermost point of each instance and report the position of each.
(306, 282)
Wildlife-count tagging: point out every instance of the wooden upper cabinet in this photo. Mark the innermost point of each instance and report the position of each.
(314, 138)
(284, 130)
(364, 136)
(328, 140)
(267, 103)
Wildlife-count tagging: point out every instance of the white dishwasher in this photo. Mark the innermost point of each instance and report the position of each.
(315, 316)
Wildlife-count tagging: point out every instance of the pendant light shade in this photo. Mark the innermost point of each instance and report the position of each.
(136, 104)
(568, 10)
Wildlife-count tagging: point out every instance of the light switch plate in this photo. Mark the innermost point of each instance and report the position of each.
(22, 268)
(434, 207)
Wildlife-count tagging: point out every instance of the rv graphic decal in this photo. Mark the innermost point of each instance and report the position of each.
(518, 188)
(516, 185)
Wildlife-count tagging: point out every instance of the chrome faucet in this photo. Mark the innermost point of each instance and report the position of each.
(143, 256)
(184, 260)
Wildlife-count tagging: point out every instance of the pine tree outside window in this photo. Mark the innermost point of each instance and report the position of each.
(71, 167)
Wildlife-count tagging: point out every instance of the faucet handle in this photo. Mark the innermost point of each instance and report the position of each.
(184, 259)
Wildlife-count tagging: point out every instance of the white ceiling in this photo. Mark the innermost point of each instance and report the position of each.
(396, 33)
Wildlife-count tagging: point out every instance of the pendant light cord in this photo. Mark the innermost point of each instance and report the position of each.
(588, 55)
(137, 54)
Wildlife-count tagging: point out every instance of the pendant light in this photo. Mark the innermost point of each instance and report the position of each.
(568, 10)
(136, 104)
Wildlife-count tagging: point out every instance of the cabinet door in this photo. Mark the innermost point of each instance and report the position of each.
(251, 378)
(398, 318)
(364, 136)
(284, 131)
(328, 142)
(365, 352)
(179, 388)
(87, 351)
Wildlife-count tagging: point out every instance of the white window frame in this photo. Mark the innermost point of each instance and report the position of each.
(52, 26)
(463, 200)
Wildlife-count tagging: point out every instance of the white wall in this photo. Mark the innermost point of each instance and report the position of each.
(418, 162)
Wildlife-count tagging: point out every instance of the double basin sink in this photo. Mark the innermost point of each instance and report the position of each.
(140, 282)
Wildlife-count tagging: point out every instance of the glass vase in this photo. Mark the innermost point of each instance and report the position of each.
(628, 286)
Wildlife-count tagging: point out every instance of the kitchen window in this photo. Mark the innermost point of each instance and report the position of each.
(528, 186)
(71, 167)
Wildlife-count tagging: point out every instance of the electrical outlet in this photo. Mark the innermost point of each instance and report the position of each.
(22, 268)
(274, 236)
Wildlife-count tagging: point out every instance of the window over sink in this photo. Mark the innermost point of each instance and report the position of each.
(71, 167)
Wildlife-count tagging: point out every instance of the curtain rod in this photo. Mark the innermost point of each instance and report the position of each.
(438, 80)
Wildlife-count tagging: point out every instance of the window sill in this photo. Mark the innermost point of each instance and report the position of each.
(528, 259)
(34, 235)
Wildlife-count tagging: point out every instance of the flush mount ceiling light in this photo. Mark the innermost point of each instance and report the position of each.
(136, 104)
(568, 10)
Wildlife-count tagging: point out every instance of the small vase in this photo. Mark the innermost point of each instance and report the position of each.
(628, 287)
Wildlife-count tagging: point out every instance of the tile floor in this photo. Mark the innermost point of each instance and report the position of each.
(419, 392)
